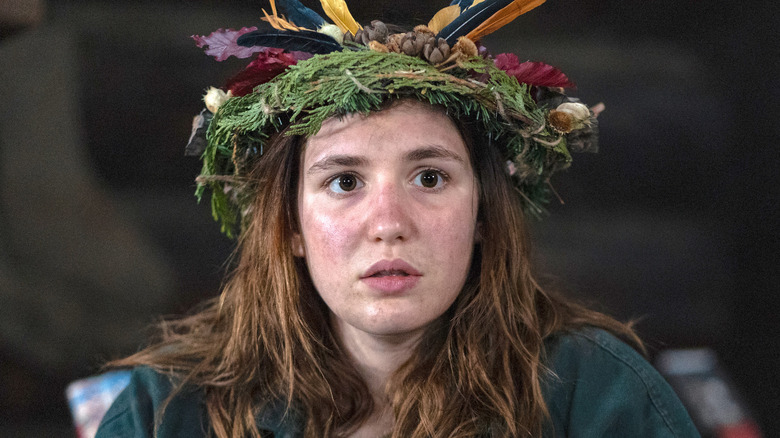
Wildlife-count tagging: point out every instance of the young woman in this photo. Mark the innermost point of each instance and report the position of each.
(383, 285)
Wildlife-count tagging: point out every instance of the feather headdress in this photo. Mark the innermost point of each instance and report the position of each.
(307, 70)
(337, 11)
(298, 14)
(484, 17)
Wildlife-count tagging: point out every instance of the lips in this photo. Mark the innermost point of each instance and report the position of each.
(385, 268)
(386, 273)
(391, 277)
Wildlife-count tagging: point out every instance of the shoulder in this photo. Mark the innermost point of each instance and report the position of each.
(135, 410)
(599, 386)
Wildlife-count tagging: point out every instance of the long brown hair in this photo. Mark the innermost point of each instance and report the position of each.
(476, 372)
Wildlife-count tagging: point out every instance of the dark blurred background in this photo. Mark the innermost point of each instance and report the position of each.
(674, 222)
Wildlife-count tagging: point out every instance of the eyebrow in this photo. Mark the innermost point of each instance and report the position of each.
(432, 151)
(332, 161)
(426, 152)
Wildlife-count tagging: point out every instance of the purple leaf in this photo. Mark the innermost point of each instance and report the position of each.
(222, 43)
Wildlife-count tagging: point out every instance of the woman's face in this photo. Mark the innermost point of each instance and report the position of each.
(388, 208)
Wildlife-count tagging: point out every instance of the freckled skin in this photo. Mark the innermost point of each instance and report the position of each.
(389, 214)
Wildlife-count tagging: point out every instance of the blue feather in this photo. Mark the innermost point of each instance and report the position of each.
(300, 15)
(469, 19)
(290, 40)
(462, 3)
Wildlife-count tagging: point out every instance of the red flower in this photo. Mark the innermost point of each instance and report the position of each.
(532, 73)
(269, 63)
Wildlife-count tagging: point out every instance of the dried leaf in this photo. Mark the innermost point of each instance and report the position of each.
(443, 18)
(222, 43)
(269, 63)
(532, 73)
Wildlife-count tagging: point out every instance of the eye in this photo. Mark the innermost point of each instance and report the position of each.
(430, 179)
(344, 183)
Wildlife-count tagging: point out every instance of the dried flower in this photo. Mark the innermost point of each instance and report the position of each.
(569, 116)
(215, 97)
(377, 46)
(465, 47)
(332, 31)
(579, 110)
(421, 28)
(394, 42)
(561, 121)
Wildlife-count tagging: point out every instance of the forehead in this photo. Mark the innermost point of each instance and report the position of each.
(395, 130)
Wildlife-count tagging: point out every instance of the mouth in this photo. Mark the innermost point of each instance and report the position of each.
(391, 268)
(390, 273)
(391, 277)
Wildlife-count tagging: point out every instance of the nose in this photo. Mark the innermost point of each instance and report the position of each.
(389, 215)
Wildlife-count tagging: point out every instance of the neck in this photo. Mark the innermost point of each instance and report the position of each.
(376, 357)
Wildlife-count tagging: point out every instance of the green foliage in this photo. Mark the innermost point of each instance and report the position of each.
(361, 81)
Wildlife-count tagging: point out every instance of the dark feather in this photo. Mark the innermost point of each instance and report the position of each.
(462, 3)
(469, 19)
(290, 40)
(300, 15)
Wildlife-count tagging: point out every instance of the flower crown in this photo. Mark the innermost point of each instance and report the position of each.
(307, 70)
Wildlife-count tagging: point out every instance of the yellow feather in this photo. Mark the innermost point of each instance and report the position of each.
(337, 11)
(279, 23)
(503, 17)
(475, 2)
(443, 18)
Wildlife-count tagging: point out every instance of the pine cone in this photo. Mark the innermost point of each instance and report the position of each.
(413, 43)
(435, 51)
(394, 42)
(377, 31)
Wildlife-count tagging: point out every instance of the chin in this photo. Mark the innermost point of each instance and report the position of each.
(395, 328)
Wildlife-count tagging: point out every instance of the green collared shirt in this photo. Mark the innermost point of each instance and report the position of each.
(600, 387)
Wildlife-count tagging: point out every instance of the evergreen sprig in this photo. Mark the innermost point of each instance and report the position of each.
(361, 81)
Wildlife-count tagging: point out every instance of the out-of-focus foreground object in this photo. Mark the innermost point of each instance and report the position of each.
(90, 398)
(711, 397)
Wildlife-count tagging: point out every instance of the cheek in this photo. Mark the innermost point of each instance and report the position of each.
(453, 236)
(326, 236)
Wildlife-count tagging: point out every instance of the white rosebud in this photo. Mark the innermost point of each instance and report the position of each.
(215, 97)
(578, 111)
(332, 31)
